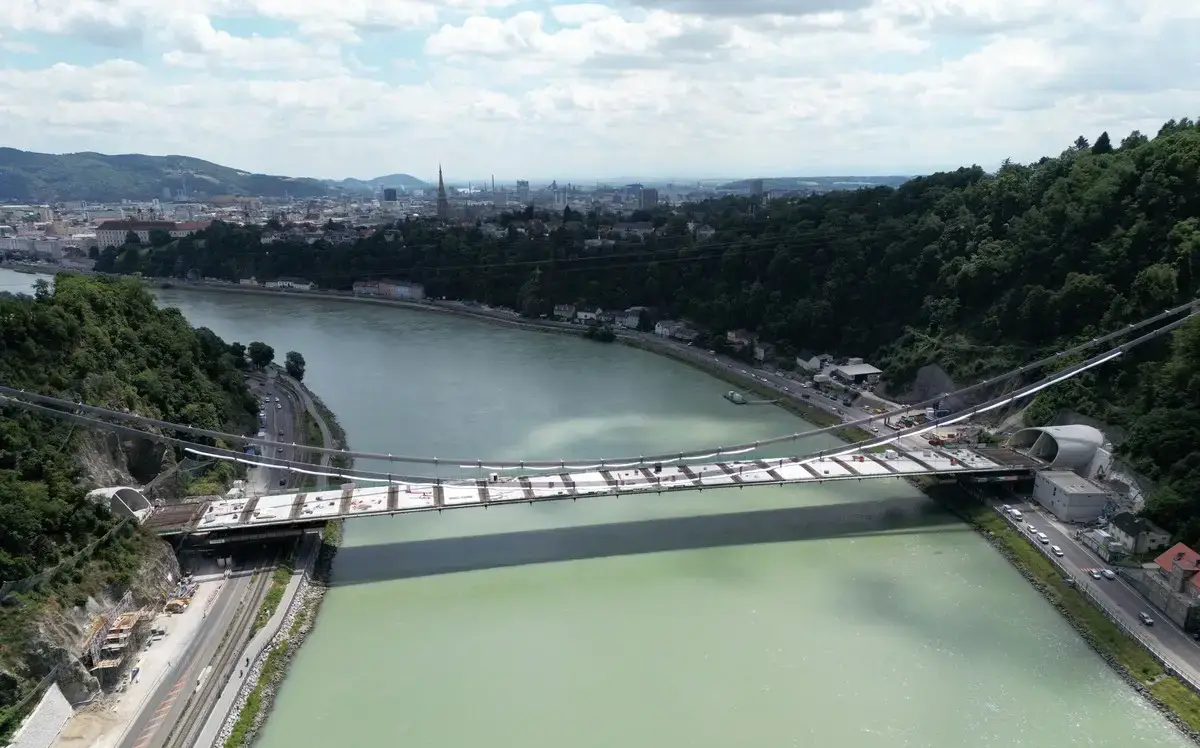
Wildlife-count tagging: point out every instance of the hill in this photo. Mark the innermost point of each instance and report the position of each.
(399, 181)
(104, 342)
(43, 177)
(970, 271)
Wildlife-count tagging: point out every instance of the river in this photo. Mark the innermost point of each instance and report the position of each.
(850, 615)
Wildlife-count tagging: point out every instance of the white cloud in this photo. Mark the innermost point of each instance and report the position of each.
(680, 87)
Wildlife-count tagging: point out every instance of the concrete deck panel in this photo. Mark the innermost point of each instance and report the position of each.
(830, 468)
(866, 467)
(456, 494)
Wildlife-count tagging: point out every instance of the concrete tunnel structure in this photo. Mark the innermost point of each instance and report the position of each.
(124, 501)
(1070, 447)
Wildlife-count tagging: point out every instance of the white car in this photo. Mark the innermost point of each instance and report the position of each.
(1095, 574)
(1043, 538)
(1056, 551)
(1108, 574)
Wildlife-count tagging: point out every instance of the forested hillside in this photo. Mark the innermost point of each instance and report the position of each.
(104, 343)
(969, 270)
(99, 177)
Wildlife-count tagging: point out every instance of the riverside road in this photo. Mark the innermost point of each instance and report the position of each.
(165, 706)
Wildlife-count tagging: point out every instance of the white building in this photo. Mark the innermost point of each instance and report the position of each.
(1138, 534)
(1068, 496)
(113, 233)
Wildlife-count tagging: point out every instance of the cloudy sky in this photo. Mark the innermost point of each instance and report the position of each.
(544, 89)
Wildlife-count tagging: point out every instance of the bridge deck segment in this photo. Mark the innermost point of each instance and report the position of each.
(313, 506)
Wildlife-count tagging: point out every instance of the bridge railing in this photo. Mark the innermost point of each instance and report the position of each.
(1164, 657)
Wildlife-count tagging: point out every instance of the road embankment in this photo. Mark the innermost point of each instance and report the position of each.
(1127, 656)
(253, 702)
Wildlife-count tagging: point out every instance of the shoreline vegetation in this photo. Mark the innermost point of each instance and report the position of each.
(1127, 656)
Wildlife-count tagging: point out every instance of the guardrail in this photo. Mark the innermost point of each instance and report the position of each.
(1086, 588)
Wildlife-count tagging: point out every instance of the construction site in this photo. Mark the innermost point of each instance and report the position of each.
(115, 638)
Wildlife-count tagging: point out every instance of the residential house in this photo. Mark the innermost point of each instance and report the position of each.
(739, 339)
(366, 288)
(248, 282)
(588, 316)
(1179, 565)
(763, 351)
(812, 363)
(564, 312)
(401, 290)
(1138, 534)
(631, 318)
(675, 330)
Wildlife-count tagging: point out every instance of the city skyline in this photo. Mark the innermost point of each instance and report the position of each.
(541, 90)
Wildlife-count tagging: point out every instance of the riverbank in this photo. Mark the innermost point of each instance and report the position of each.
(1125, 654)
(788, 401)
(266, 673)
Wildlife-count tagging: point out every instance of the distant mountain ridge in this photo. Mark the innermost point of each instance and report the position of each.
(818, 184)
(98, 177)
(399, 181)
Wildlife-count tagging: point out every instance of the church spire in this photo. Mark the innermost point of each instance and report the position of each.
(443, 204)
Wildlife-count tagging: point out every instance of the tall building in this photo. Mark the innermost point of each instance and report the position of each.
(443, 204)
(756, 187)
(649, 198)
(389, 194)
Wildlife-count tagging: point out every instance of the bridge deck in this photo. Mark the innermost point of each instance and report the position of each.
(314, 506)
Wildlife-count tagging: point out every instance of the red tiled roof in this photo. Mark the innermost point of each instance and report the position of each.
(1178, 554)
(192, 225)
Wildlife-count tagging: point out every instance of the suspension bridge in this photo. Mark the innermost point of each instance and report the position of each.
(901, 454)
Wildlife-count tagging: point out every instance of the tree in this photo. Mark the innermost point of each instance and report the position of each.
(132, 237)
(159, 238)
(1102, 144)
(261, 354)
(238, 351)
(294, 364)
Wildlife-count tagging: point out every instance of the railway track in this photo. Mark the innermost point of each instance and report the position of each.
(214, 677)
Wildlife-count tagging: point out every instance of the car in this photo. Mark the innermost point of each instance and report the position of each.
(1005, 508)
(279, 450)
(1145, 619)
(1056, 551)
(1095, 574)
(278, 406)
(1108, 574)
(1032, 530)
(1043, 538)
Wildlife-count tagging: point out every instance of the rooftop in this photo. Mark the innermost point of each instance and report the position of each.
(1179, 554)
(1069, 482)
(1133, 525)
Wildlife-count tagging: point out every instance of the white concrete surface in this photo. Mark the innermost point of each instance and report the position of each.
(913, 457)
(43, 725)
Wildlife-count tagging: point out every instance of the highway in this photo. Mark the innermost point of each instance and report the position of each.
(1120, 598)
(163, 709)
(283, 424)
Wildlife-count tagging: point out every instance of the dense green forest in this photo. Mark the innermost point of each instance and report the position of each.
(102, 342)
(98, 177)
(969, 270)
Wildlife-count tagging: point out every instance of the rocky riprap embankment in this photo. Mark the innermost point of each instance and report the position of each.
(305, 604)
(1087, 637)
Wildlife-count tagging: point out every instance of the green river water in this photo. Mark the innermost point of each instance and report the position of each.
(844, 615)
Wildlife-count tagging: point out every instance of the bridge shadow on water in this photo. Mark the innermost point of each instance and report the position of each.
(421, 558)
